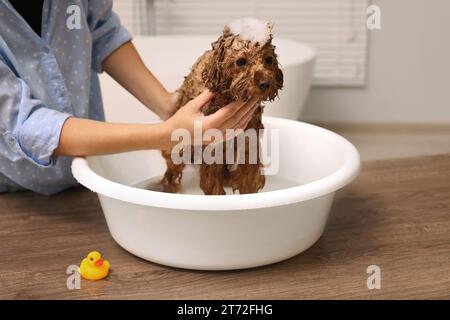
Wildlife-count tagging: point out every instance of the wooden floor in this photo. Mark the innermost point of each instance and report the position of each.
(395, 215)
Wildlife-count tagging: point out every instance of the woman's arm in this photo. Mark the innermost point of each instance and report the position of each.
(83, 137)
(127, 68)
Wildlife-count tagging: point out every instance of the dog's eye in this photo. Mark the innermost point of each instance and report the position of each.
(241, 62)
(268, 60)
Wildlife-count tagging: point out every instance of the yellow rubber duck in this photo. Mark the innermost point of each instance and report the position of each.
(93, 267)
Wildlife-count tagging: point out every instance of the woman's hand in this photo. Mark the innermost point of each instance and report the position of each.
(84, 137)
(235, 115)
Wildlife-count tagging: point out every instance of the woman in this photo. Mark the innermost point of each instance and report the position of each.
(50, 102)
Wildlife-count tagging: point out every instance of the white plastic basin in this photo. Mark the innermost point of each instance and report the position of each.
(230, 231)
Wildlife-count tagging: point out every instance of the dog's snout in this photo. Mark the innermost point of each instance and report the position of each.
(263, 86)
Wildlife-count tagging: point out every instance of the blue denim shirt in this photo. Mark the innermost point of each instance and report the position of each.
(44, 80)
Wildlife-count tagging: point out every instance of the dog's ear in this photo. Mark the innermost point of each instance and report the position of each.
(212, 73)
(279, 77)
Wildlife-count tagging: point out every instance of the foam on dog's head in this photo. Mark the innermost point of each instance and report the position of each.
(251, 29)
(243, 62)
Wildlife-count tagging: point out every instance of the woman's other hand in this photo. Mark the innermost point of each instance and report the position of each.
(234, 115)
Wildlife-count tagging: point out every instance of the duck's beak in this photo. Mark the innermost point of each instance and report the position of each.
(99, 262)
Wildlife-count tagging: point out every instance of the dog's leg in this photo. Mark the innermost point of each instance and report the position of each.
(247, 177)
(172, 178)
(211, 178)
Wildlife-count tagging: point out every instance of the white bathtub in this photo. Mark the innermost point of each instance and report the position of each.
(170, 57)
(231, 231)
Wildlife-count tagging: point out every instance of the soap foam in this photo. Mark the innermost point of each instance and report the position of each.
(251, 29)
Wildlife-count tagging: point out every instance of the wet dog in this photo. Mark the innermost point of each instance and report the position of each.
(241, 65)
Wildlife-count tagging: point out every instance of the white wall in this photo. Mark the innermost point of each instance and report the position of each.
(409, 70)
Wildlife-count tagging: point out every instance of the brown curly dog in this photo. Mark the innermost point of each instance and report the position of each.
(235, 68)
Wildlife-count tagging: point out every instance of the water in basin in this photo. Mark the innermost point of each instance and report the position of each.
(191, 182)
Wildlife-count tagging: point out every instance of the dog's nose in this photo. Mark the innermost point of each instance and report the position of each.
(263, 86)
